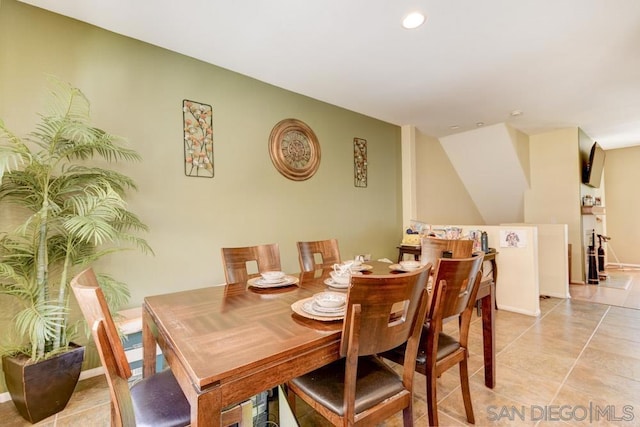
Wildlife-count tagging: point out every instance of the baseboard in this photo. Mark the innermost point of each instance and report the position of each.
(518, 310)
(89, 373)
(621, 265)
(558, 295)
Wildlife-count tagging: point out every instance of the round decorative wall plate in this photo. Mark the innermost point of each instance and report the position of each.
(294, 149)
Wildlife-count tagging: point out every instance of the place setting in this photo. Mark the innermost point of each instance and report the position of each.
(324, 306)
(406, 266)
(272, 279)
(341, 274)
(357, 266)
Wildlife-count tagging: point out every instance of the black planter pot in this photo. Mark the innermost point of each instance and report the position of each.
(41, 389)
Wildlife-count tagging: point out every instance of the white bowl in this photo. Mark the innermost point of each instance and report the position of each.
(410, 265)
(330, 299)
(341, 279)
(353, 263)
(272, 276)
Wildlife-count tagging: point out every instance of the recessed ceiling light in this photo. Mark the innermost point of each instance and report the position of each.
(413, 20)
(516, 113)
(454, 127)
(480, 124)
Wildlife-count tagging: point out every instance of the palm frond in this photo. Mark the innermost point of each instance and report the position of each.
(39, 322)
(116, 293)
(13, 152)
(22, 188)
(135, 241)
(128, 221)
(95, 210)
(15, 284)
(78, 176)
(67, 101)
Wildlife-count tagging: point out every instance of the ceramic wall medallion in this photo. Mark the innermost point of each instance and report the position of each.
(294, 149)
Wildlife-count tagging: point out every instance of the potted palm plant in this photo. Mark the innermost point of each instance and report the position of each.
(73, 213)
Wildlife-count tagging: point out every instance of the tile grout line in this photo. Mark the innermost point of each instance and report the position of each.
(518, 337)
(480, 369)
(575, 362)
(525, 331)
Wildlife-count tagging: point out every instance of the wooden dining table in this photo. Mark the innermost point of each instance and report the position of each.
(227, 343)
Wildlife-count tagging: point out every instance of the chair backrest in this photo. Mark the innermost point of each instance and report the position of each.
(387, 306)
(455, 287)
(105, 334)
(235, 261)
(327, 249)
(432, 249)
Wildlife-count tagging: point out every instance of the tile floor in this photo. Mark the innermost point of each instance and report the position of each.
(578, 363)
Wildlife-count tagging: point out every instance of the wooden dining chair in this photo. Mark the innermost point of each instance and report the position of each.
(433, 248)
(326, 250)
(152, 401)
(382, 312)
(235, 261)
(455, 286)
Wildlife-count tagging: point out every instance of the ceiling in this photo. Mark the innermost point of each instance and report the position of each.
(569, 63)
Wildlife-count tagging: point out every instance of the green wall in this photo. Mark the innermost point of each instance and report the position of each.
(136, 91)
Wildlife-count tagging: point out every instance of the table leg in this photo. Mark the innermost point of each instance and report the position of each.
(488, 337)
(207, 410)
(148, 346)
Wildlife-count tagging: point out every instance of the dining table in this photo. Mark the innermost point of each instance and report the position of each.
(227, 343)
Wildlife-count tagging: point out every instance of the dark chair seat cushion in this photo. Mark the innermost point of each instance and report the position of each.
(376, 382)
(158, 401)
(446, 345)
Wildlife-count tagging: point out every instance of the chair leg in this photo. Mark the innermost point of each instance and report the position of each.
(432, 400)
(116, 417)
(291, 399)
(407, 416)
(466, 390)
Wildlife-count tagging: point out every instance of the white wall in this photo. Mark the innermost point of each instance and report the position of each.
(621, 179)
(488, 162)
(554, 197)
(517, 288)
(553, 263)
(441, 194)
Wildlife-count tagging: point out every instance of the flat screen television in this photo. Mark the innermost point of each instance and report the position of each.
(592, 173)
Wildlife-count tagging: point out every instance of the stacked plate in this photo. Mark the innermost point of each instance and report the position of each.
(335, 285)
(272, 279)
(406, 266)
(324, 306)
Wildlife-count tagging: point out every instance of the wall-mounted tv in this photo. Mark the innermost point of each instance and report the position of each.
(592, 172)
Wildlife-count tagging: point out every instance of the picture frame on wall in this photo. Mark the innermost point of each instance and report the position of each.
(360, 162)
(197, 121)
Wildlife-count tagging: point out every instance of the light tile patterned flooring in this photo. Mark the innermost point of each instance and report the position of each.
(578, 363)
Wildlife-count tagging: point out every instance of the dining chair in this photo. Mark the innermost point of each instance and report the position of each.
(327, 250)
(455, 287)
(433, 248)
(153, 401)
(235, 261)
(382, 312)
